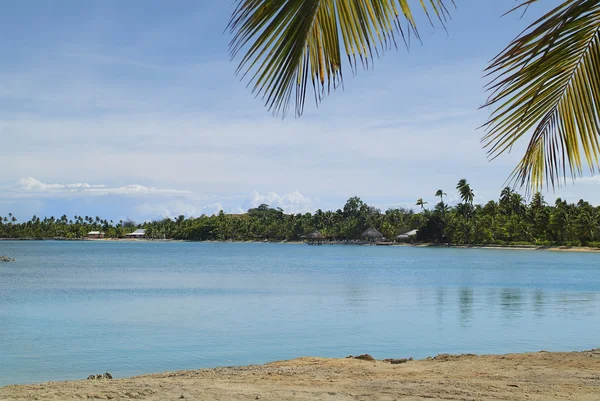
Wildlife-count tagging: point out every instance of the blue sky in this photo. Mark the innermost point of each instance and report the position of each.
(132, 109)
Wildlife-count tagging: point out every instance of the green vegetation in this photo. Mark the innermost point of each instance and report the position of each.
(544, 86)
(63, 227)
(261, 223)
(510, 220)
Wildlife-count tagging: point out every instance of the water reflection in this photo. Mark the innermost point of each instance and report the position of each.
(511, 300)
(539, 303)
(439, 302)
(354, 296)
(465, 301)
(579, 303)
(506, 304)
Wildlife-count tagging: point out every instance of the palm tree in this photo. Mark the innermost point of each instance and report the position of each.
(465, 191)
(505, 195)
(467, 195)
(421, 203)
(537, 202)
(545, 82)
(517, 203)
(443, 209)
(441, 194)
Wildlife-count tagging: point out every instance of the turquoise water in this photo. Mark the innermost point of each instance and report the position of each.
(70, 309)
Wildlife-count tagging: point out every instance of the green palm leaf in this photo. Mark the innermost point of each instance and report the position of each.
(289, 43)
(547, 84)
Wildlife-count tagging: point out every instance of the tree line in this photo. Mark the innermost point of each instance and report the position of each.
(509, 220)
(62, 227)
(260, 223)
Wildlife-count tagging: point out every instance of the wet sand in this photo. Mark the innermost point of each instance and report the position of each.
(532, 376)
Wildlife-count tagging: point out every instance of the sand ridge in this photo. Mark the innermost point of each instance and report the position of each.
(531, 376)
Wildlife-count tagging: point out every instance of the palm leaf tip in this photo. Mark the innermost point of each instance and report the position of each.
(547, 83)
(289, 45)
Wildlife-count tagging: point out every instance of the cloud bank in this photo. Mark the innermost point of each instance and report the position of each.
(32, 187)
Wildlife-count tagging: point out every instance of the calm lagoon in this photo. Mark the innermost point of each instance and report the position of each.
(70, 309)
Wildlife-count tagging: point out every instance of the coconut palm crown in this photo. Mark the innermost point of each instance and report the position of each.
(545, 85)
(466, 192)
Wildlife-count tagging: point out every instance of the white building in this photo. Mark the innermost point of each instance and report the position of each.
(95, 234)
(139, 233)
(408, 235)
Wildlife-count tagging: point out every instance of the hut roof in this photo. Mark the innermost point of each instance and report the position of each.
(372, 233)
(408, 234)
(316, 235)
(140, 232)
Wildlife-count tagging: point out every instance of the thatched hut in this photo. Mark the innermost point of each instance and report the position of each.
(315, 238)
(372, 235)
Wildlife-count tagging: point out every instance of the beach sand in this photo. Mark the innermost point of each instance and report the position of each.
(532, 376)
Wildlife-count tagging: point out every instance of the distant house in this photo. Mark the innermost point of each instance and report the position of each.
(139, 233)
(95, 234)
(407, 236)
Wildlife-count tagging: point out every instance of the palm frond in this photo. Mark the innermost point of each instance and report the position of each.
(547, 83)
(289, 43)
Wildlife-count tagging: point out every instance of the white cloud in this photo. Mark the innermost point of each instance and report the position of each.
(31, 187)
(340, 151)
(293, 202)
(595, 179)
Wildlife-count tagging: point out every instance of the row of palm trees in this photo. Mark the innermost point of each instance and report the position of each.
(464, 190)
(52, 227)
(260, 223)
(510, 219)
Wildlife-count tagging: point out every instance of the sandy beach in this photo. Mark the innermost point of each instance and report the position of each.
(531, 376)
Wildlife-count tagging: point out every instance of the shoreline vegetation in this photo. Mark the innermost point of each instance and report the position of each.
(526, 376)
(508, 222)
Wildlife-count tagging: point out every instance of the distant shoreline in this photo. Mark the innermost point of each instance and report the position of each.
(557, 248)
